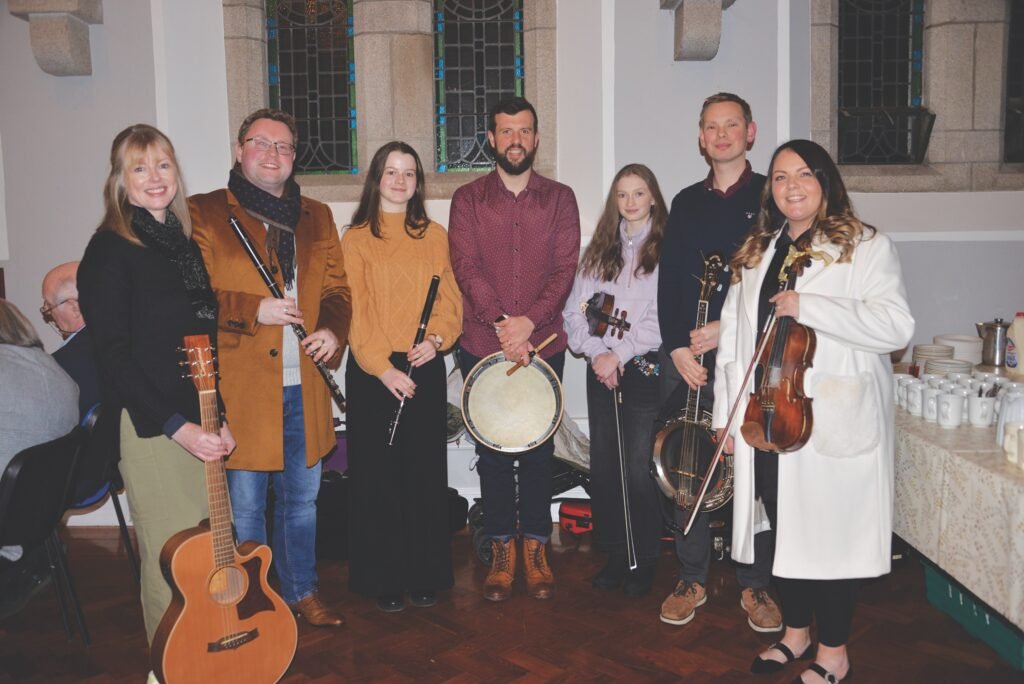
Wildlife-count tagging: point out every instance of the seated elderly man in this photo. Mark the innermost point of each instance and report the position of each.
(60, 310)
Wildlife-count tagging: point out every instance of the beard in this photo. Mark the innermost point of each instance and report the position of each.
(512, 168)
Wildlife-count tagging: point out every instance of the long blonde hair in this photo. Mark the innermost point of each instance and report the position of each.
(15, 329)
(835, 221)
(129, 146)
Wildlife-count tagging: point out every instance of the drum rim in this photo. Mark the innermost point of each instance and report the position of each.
(484, 441)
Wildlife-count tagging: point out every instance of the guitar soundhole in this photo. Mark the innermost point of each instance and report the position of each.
(227, 585)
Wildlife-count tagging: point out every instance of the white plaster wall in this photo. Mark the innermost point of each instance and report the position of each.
(57, 133)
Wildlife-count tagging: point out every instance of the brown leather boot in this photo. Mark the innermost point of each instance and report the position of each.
(315, 612)
(539, 579)
(498, 584)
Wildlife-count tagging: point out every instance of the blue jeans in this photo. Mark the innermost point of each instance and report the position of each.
(295, 490)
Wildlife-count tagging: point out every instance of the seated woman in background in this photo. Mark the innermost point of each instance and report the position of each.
(622, 261)
(829, 500)
(142, 287)
(399, 536)
(38, 403)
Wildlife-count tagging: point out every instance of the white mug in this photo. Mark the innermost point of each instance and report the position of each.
(1020, 449)
(1011, 431)
(980, 411)
(982, 375)
(926, 377)
(929, 408)
(901, 389)
(896, 378)
(957, 377)
(965, 393)
(914, 390)
(950, 410)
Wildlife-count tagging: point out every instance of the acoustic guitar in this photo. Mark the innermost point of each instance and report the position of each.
(224, 622)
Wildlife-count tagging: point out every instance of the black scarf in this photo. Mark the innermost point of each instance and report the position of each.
(169, 240)
(281, 214)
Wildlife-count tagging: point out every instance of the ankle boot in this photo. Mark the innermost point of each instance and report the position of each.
(612, 574)
(639, 581)
(498, 584)
(540, 581)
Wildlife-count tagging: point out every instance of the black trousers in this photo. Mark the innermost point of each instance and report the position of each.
(515, 501)
(640, 403)
(399, 536)
(829, 603)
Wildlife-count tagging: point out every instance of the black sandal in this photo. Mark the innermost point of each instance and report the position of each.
(762, 666)
(829, 677)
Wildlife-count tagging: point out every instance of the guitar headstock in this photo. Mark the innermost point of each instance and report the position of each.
(199, 355)
(714, 266)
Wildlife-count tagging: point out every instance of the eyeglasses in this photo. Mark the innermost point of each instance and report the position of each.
(47, 310)
(263, 145)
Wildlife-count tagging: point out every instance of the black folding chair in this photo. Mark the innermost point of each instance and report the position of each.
(34, 492)
(97, 475)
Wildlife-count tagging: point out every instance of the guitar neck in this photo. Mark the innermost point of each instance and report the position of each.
(217, 487)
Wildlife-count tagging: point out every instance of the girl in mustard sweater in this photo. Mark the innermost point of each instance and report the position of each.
(399, 540)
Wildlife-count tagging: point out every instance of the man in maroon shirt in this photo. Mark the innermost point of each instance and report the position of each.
(515, 243)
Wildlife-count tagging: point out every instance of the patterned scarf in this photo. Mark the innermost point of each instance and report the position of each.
(281, 214)
(169, 240)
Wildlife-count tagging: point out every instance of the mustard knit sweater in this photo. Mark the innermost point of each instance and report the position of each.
(389, 277)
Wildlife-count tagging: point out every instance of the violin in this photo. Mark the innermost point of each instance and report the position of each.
(779, 416)
(601, 314)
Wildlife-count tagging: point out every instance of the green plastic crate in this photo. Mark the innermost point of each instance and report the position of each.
(977, 618)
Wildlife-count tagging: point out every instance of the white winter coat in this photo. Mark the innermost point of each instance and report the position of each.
(835, 496)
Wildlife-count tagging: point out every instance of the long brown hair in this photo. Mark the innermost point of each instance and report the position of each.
(368, 211)
(603, 257)
(129, 146)
(835, 222)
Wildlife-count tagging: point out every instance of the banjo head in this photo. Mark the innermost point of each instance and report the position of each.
(513, 413)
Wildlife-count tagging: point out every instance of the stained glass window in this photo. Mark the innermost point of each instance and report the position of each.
(881, 120)
(312, 76)
(478, 53)
(1013, 146)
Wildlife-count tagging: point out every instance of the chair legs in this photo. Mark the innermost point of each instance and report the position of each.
(125, 539)
(65, 587)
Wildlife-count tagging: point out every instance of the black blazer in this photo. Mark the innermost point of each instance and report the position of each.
(134, 302)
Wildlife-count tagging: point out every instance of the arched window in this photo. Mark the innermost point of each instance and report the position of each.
(311, 75)
(478, 52)
(881, 120)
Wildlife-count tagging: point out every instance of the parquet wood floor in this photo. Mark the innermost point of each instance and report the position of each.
(580, 635)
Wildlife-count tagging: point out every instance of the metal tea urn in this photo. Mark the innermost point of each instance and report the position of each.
(993, 337)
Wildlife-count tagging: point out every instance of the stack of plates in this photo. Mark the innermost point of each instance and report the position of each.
(965, 347)
(943, 366)
(926, 352)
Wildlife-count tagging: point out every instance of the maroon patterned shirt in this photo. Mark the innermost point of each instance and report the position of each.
(513, 255)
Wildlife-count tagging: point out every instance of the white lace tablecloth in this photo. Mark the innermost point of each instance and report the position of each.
(961, 503)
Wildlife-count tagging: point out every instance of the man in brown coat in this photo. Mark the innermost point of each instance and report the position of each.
(277, 404)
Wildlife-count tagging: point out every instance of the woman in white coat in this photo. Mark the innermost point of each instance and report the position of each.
(830, 502)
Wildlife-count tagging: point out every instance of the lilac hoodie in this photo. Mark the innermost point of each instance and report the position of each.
(638, 295)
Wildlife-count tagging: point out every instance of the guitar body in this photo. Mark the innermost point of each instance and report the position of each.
(224, 623)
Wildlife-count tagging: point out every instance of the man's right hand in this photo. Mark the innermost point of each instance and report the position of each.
(694, 374)
(206, 446)
(274, 311)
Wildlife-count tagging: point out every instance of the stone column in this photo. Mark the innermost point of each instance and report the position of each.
(245, 47)
(394, 77)
(541, 77)
(964, 81)
(825, 74)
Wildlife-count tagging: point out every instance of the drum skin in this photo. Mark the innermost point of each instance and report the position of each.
(511, 413)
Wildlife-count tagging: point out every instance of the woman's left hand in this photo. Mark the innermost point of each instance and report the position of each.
(420, 353)
(320, 345)
(787, 304)
(607, 368)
